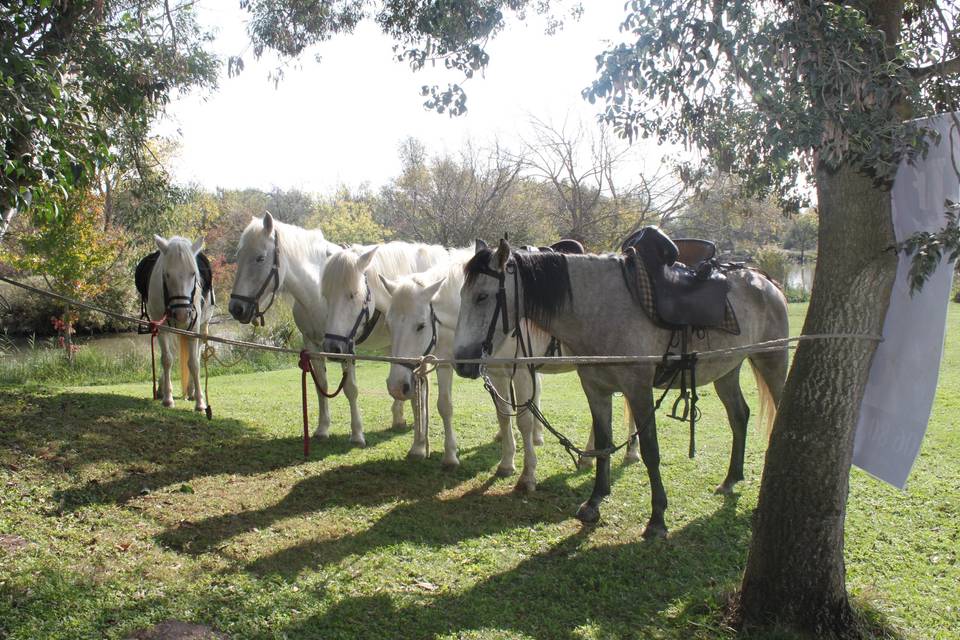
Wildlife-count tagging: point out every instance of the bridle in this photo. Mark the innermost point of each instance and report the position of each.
(172, 303)
(364, 319)
(434, 323)
(273, 276)
(486, 347)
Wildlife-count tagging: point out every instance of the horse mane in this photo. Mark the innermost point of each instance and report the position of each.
(451, 271)
(543, 275)
(296, 243)
(392, 260)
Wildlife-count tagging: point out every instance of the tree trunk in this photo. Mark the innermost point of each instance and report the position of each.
(795, 572)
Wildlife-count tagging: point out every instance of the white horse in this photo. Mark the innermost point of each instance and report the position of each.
(422, 317)
(356, 300)
(176, 293)
(274, 258)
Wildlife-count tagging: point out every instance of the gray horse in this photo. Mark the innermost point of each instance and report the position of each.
(584, 301)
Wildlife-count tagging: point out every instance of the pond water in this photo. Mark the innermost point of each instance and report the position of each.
(121, 343)
(800, 277)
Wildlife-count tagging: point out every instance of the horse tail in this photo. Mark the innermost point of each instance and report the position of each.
(184, 366)
(768, 404)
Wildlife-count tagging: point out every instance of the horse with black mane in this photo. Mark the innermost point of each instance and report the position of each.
(589, 303)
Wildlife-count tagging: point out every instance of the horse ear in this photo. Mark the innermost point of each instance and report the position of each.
(197, 246)
(388, 284)
(364, 261)
(162, 243)
(267, 222)
(430, 291)
(503, 254)
(479, 245)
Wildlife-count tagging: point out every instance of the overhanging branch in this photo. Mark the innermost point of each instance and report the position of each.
(946, 68)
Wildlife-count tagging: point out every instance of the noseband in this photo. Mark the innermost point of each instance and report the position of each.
(172, 303)
(273, 276)
(364, 318)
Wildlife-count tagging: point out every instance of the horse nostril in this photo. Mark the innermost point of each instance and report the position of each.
(406, 388)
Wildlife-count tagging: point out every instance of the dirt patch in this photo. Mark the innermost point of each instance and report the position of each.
(176, 630)
(13, 544)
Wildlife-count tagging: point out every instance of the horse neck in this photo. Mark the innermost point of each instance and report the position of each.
(446, 304)
(303, 255)
(600, 305)
(398, 259)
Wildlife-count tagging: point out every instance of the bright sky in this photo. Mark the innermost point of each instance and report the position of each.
(340, 121)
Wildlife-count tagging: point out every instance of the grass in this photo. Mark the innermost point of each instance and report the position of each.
(135, 514)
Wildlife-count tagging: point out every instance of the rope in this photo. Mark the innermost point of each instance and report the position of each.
(758, 347)
(421, 393)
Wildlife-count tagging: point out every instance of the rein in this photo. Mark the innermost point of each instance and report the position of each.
(525, 347)
(365, 319)
(273, 276)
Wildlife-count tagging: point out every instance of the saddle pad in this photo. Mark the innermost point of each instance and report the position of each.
(640, 285)
(144, 268)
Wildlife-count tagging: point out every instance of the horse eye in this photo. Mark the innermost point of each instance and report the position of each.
(351, 296)
(482, 297)
(421, 326)
(261, 258)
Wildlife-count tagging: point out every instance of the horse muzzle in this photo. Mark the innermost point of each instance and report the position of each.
(242, 312)
(465, 370)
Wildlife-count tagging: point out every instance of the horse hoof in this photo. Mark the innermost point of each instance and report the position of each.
(416, 455)
(584, 463)
(399, 426)
(525, 486)
(588, 514)
(724, 489)
(654, 531)
(505, 472)
(168, 403)
(321, 436)
(451, 466)
(631, 458)
(200, 409)
(358, 442)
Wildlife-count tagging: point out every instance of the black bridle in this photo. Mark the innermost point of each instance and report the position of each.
(172, 303)
(486, 347)
(273, 276)
(364, 319)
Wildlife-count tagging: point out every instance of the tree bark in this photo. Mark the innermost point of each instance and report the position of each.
(795, 572)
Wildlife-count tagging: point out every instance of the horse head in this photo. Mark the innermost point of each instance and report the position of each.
(180, 278)
(349, 298)
(483, 306)
(259, 274)
(413, 327)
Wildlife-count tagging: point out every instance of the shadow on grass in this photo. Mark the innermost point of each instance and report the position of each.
(155, 446)
(614, 590)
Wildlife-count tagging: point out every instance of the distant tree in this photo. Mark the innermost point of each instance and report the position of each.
(801, 234)
(451, 200)
(348, 218)
(720, 212)
(292, 206)
(599, 189)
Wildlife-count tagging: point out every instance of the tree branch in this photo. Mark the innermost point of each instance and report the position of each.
(945, 68)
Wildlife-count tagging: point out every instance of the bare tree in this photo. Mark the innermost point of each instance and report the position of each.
(593, 199)
(451, 200)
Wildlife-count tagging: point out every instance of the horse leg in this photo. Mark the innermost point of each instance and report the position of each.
(320, 384)
(350, 390)
(633, 447)
(641, 403)
(445, 407)
(527, 483)
(399, 422)
(166, 361)
(728, 390)
(601, 410)
(508, 446)
(194, 364)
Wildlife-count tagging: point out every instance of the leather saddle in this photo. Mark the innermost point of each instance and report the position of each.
(567, 245)
(689, 288)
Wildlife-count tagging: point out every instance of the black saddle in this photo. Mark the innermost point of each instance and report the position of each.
(145, 268)
(689, 289)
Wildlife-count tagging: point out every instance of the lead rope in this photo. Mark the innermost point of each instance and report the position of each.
(154, 332)
(421, 393)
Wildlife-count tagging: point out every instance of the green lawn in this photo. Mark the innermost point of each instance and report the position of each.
(135, 514)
